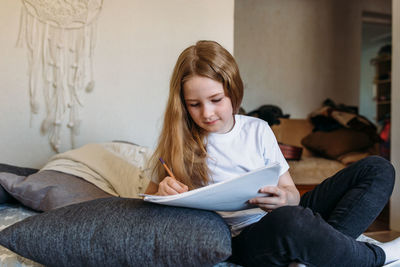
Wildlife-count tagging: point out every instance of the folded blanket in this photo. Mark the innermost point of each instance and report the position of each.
(119, 169)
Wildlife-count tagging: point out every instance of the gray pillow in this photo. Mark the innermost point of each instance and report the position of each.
(4, 196)
(121, 232)
(47, 190)
(17, 170)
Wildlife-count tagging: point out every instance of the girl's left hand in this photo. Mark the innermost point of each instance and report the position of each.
(277, 197)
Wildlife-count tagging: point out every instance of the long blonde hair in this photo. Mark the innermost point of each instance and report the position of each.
(181, 143)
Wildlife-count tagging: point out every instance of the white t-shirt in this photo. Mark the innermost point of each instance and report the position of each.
(250, 145)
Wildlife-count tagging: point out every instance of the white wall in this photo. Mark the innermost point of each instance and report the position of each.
(298, 55)
(137, 46)
(295, 54)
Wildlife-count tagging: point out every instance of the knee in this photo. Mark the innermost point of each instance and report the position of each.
(382, 168)
(376, 161)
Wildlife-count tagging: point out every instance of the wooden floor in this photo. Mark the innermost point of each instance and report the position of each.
(383, 236)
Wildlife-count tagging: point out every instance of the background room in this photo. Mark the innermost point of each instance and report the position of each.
(292, 54)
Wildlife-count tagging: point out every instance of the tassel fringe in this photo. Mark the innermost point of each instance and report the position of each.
(60, 63)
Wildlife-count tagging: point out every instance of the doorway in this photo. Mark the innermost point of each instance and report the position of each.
(376, 34)
(376, 39)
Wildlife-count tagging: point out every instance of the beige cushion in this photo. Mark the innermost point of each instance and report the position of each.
(351, 157)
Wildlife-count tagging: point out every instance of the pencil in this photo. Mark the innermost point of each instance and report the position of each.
(166, 168)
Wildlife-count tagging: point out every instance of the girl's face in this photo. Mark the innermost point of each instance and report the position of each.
(207, 104)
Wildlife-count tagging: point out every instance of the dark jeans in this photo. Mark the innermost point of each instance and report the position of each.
(321, 231)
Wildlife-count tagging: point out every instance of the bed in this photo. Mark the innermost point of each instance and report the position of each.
(61, 217)
(81, 209)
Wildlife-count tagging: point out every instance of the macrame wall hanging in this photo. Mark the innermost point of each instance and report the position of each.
(60, 38)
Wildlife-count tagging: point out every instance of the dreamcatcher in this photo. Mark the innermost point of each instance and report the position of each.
(60, 38)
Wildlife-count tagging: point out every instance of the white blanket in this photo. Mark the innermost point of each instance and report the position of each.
(119, 169)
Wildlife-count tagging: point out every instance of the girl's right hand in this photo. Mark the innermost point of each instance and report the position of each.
(171, 186)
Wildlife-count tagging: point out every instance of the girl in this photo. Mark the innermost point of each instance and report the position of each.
(205, 142)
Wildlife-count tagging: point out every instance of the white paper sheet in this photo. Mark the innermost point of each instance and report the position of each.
(229, 195)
